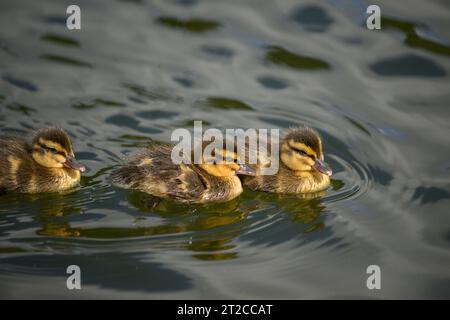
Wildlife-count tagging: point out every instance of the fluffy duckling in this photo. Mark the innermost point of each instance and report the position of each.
(152, 171)
(301, 169)
(47, 164)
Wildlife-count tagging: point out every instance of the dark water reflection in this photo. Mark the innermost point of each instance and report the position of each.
(312, 18)
(408, 65)
(139, 69)
(191, 25)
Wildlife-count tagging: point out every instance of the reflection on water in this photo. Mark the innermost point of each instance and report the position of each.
(23, 84)
(155, 94)
(20, 108)
(408, 65)
(66, 60)
(210, 229)
(412, 38)
(282, 56)
(191, 25)
(61, 40)
(139, 69)
(272, 82)
(225, 103)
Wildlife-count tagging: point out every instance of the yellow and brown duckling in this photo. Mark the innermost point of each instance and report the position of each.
(301, 167)
(47, 164)
(152, 171)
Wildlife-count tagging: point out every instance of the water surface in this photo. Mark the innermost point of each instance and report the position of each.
(139, 69)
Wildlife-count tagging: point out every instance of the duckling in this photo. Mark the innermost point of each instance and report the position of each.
(301, 169)
(46, 164)
(152, 171)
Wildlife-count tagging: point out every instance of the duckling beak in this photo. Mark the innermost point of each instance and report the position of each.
(71, 163)
(322, 167)
(246, 170)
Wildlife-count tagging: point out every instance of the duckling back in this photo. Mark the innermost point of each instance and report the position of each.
(14, 163)
(152, 171)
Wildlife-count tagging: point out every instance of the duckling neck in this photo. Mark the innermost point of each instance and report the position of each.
(311, 181)
(55, 179)
(222, 189)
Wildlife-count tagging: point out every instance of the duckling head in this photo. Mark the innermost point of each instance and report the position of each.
(223, 163)
(301, 150)
(52, 148)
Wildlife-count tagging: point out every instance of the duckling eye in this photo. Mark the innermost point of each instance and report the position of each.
(52, 150)
(303, 153)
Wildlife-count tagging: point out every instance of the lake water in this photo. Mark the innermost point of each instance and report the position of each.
(137, 70)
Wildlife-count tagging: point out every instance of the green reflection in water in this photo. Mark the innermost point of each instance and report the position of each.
(337, 184)
(97, 102)
(301, 208)
(136, 141)
(212, 227)
(287, 58)
(57, 229)
(208, 231)
(94, 179)
(83, 106)
(190, 123)
(109, 103)
(61, 40)
(224, 103)
(216, 256)
(191, 25)
(21, 108)
(156, 94)
(412, 38)
(6, 250)
(66, 60)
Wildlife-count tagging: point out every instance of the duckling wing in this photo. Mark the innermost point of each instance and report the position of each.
(138, 169)
(152, 171)
(185, 184)
(17, 171)
(15, 147)
(261, 183)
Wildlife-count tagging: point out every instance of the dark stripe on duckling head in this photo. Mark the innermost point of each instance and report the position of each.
(307, 136)
(54, 138)
(52, 147)
(302, 149)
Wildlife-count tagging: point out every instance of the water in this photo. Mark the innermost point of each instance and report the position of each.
(139, 69)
